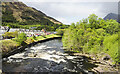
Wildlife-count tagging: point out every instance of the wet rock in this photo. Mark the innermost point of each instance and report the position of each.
(35, 69)
(10, 60)
(53, 64)
(35, 55)
(107, 57)
(30, 54)
(61, 62)
(57, 68)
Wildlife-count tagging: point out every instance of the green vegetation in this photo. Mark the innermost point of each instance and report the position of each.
(32, 39)
(60, 31)
(9, 35)
(29, 40)
(93, 35)
(8, 15)
(8, 45)
(21, 38)
(111, 46)
(49, 27)
(11, 44)
(18, 15)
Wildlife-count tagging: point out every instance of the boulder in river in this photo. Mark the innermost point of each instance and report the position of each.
(106, 57)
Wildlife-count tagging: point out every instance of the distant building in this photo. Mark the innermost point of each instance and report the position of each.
(33, 27)
(43, 30)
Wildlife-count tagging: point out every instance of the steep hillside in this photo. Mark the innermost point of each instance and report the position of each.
(19, 12)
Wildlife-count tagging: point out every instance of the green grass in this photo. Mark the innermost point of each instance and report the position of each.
(41, 38)
(47, 36)
(53, 35)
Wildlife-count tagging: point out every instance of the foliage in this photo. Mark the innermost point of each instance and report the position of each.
(111, 46)
(60, 31)
(8, 45)
(9, 35)
(7, 16)
(26, 17)
(21, 38)
(90, 36)
(49, 27)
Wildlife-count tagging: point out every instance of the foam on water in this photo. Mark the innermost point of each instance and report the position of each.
(41, 52)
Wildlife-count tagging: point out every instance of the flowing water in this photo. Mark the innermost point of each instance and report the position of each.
(43, 57)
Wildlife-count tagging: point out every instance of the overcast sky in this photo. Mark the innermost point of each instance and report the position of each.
(71, 11)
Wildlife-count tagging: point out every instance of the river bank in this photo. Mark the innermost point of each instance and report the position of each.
(28, 43)
(55, 59)
(103, 62)
(50, 57)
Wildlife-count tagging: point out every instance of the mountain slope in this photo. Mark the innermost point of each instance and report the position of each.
(111, 16)
(19, 12)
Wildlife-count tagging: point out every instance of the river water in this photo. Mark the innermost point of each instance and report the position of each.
(48, 56)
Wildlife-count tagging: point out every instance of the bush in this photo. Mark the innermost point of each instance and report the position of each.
(8, 45)
(60, 32)
(21, 38)
(93, 37)
(9, 35)
(111, 47)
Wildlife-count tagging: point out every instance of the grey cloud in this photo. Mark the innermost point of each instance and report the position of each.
(109, 7)
(72, 11)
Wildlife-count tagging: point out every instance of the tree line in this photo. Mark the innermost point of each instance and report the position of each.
(50, 27)
(93, 35)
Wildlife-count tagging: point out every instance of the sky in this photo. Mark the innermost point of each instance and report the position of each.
(73, 11)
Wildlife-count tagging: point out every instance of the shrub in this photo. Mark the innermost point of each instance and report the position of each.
(8, 45)
(21, 38)
(93, 37)
(111, 47)
(60, 32)
(9, 35)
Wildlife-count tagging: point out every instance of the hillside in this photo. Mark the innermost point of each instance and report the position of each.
(14, 12)
(111, 16)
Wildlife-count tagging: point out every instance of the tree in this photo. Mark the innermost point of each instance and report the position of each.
(21, 38)
(93, 37)
(93, 21)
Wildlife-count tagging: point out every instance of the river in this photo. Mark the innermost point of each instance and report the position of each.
(48, 56)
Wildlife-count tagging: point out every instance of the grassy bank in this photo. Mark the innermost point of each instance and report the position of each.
(35, 39)
(11, 44)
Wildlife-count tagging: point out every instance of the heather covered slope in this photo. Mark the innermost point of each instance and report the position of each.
(19, 15)
(19, 12)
